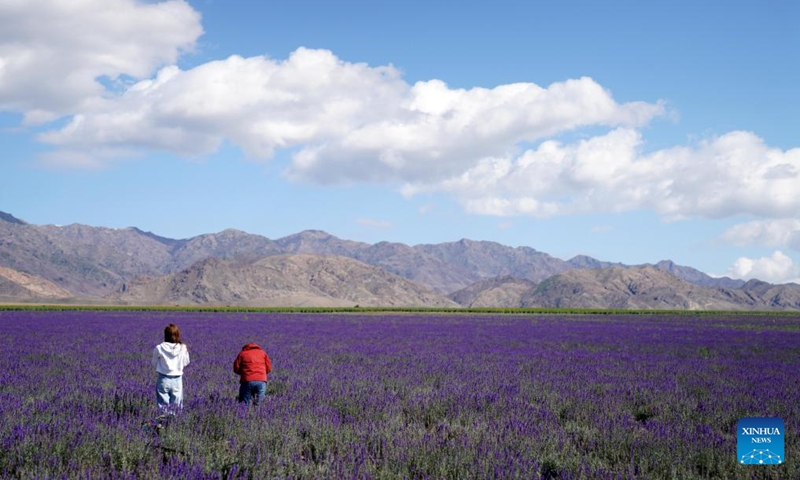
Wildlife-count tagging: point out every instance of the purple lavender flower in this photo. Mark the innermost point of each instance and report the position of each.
(398, 395)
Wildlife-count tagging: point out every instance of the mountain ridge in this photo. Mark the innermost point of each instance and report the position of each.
(93, 262)
(281, 280)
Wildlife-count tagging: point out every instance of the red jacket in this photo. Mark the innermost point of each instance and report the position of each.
(252, 364)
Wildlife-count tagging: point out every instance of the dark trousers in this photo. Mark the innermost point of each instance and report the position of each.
(254, 391)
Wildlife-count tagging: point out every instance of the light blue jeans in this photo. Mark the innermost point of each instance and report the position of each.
(169, 391)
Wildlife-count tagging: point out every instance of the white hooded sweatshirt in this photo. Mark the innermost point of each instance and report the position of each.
(170, 358)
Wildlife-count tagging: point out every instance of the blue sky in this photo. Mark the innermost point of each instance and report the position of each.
(628, 131)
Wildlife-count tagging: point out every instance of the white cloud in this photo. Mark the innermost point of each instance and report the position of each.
(346, 122)
(772, 233)
(257, 103)
(723, 176)
(53, 52)
(435, 132)
(351, 122)
(777, 268)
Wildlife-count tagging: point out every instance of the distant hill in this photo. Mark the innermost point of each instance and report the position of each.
(625, 288)
(97, 263)
(697, 277)
(643, 287)
(504, 291)
(490, 259)
(281, 280)
(228, 244)
(417, 265)
(318, 242)
(20, 286)
(584, 261)
(762, 295)
(8, 218)
(87, 261)
(444, 267)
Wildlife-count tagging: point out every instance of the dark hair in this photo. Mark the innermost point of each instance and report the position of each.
(172, 333)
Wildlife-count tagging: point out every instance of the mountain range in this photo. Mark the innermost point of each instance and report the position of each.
(89, 264)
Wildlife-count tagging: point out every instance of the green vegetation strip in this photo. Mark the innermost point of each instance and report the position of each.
(358, 309)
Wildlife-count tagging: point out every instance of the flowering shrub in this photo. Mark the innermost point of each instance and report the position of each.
(397, 395)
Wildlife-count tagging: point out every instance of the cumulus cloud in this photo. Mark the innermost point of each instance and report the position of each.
(95, 62)
(257, 103)
(777, 268)
(54, 53)
(438, 132)
(732, 174)
(773, 233)
(346, 122)
(110, 67)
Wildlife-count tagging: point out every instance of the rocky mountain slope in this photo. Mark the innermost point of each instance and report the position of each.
(281, 280)
(646, 287)
(16, 285)
(505, 291)
(625, 288)
(95, 262)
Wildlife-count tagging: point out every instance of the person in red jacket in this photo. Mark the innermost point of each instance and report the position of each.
(252, 365)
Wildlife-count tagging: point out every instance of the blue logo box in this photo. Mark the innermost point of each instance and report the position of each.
(759, 441)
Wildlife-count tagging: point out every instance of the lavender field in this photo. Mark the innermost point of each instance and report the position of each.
(398, 396)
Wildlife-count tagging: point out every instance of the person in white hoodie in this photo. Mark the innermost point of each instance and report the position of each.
(169, 359)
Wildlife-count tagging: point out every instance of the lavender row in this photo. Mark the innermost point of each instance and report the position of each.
(398, 396)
